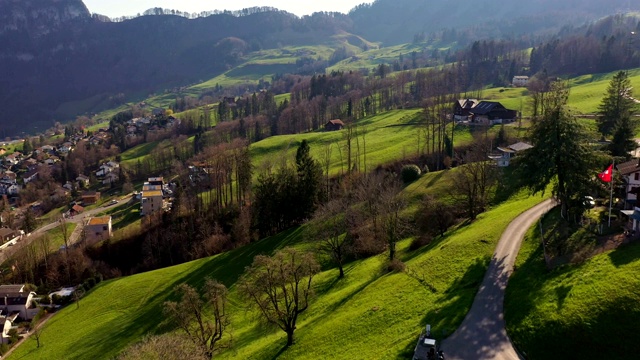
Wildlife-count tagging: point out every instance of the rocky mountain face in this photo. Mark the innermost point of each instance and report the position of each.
(38, 18)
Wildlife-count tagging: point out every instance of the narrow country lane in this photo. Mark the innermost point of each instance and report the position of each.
(74, 237)
(482, 334)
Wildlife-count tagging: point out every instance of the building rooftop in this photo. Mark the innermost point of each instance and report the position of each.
(629, 167)
(6, 232)
(103, 220)
(151, 193)
(11, 288)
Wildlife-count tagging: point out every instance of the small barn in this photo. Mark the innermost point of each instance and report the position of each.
(334, 125)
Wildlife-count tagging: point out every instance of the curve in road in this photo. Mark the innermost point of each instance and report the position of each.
(482, 335)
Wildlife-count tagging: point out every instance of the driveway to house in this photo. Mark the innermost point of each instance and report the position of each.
(482, 335)
(73, 238)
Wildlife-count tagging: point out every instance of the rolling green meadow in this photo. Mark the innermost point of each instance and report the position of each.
(578, 311)
(387, 309)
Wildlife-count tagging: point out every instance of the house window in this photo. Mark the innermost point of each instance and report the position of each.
(636, 176)
(104, 228)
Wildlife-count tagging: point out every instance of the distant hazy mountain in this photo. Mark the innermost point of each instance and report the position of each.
(54, 51)
(396, 21)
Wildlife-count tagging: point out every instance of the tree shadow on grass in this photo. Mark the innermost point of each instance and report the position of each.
(625, 254)
(226, 268)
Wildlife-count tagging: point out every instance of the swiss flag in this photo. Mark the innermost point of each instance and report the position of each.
(607, 174)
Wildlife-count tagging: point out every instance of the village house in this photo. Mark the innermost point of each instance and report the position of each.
(76, 210)
(9, 177)
(630, 172)
(107, 168)
(7, 321)
(13, 159)
(9, 236)
(520, 81)
(90, 197)
(503, 158)
(65, 148)
(491, 113)
(3, 151)
(151, 202)
(110, 178)
(15, 299)
(98, 228)
(462, 109)
(152, 196)
(83, 180)
(483, 112)
(30, 176)
(334, 125)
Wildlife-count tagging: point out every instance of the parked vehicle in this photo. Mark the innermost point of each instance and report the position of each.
(427, 348)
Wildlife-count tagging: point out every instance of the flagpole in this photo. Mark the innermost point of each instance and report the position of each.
(613, 166)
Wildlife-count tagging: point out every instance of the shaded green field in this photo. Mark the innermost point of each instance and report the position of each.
(578, 311)
(386, 310)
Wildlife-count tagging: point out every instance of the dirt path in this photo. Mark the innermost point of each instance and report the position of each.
(482, 334)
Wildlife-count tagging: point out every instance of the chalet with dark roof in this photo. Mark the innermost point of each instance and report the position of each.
(462, 109)
(491, 112)
(630, 172)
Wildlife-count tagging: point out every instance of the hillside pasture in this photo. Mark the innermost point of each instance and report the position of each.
(387, 309)
(574, 311)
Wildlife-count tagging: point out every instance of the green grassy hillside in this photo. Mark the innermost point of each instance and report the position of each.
(388, 310)
(586, 93)
(388, 137)
(575, 312)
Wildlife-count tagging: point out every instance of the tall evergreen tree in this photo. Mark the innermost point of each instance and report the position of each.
(617, 106)
(560, 156)
(309, 184)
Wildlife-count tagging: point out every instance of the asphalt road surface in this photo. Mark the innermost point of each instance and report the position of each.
(482, 335)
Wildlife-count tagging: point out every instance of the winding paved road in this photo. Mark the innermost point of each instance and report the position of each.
(482, 335)
(73, 238)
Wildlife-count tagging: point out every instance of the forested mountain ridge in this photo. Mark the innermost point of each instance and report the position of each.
(396, 21)
(54, 51)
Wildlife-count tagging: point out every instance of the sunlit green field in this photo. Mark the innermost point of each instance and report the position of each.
(387, 309)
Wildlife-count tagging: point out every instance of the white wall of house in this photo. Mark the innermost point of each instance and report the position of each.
(633, 181)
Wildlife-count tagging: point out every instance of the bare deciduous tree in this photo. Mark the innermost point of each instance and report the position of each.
(191, 316)
(279, 287)
(329, 228)
(473, 182)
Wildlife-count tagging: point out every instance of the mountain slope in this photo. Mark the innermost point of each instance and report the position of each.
(396, 21)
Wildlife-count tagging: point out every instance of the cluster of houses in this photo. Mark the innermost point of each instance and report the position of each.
(27, 166)
(138, 126)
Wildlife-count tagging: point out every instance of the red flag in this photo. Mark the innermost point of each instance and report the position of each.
(607, 174)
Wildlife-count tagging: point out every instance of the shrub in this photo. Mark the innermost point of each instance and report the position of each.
(420, 241)
(410, 173)
(395, 265)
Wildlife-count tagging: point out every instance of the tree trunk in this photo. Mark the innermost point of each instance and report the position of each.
(289, 337)
(341, 271)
